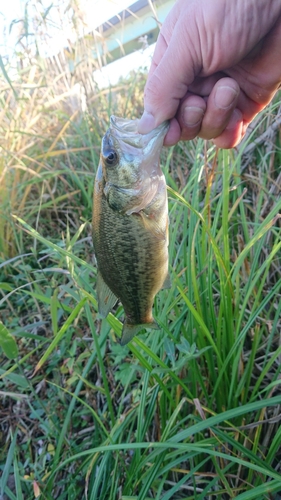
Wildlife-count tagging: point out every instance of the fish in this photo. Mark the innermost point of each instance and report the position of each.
(130, 224)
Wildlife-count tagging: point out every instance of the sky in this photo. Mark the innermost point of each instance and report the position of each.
(95, 12)
(14, 8)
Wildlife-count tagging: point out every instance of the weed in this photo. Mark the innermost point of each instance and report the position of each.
(191, 411)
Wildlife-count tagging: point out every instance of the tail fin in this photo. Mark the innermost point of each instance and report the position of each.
(129, 331)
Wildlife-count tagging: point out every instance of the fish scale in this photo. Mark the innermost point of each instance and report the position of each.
(130, 225)
(125, 276)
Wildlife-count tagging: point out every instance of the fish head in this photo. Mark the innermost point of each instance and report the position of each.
(129, 158)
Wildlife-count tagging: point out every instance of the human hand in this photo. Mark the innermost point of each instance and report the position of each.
(215, 66)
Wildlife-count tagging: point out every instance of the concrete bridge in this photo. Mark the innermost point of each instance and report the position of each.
(130, 29)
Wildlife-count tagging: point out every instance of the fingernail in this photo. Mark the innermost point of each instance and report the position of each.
(192, 116)
(225, 97)
(146, 123)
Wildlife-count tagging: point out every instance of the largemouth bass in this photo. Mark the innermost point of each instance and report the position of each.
(130, 224)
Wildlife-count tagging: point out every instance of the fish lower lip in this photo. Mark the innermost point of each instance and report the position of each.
(126, 131)
(166, 124)
(123, 125)
(160, 131)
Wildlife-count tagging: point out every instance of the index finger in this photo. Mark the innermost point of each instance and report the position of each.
(172, 71)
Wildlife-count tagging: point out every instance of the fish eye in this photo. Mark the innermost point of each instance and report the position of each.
(111, 159)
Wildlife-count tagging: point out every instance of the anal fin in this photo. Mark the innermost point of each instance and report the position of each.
(106, 298)
(129, 331)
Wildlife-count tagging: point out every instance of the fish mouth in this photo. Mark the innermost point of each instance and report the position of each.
(126, 130)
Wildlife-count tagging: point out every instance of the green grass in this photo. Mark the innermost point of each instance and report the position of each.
(191, 411)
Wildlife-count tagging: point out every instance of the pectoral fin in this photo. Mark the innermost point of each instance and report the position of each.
(129, 331)
(106, 298)
(151, 225)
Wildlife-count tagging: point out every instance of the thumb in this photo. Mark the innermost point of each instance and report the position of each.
(172, 71)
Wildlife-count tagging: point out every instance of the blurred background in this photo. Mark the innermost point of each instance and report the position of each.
(60, 63)
(112, 30)
(189, 411)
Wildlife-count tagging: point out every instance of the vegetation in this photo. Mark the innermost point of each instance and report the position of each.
(191, 411)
